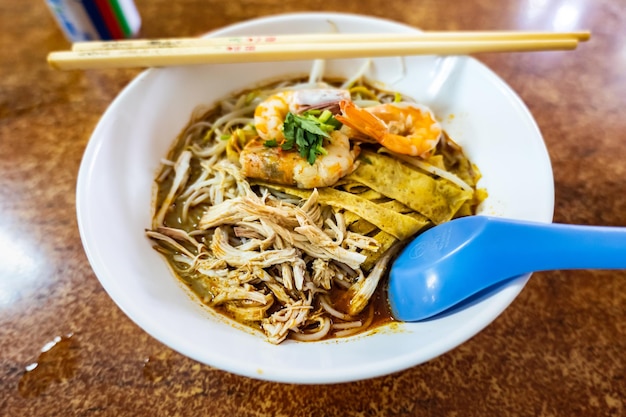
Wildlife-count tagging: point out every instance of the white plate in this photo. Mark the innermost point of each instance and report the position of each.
(115, 183)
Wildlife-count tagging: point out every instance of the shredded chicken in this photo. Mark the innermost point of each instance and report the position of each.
(261, 258)
(181, 169)
(239, 258)
(362, 290)
(290, 317)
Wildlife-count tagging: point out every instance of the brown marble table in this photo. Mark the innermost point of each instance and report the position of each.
(559, 350)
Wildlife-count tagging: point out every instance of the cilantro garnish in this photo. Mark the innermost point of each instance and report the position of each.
(306, 133)
(272, 143)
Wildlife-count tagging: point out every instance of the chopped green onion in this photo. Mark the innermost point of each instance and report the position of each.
(306, 133)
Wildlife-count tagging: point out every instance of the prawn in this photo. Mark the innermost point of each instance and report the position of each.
(270, 114)
(287, 167)
(406, 128)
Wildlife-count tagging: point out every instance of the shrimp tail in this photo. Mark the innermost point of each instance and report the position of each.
(370, 125)
(419, 132)
(361, 120)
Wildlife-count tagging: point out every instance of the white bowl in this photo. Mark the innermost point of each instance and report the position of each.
(478, 110)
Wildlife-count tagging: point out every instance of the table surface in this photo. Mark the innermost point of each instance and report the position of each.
(558, 350)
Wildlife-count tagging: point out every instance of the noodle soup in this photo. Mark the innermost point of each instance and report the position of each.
(282, 206)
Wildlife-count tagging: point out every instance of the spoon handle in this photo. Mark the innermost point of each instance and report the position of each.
(458, 259)
(540, 247)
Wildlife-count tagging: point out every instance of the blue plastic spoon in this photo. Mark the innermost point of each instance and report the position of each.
(456, 260)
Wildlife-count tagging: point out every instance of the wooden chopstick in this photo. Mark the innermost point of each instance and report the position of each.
(189, 51)
(581, 36)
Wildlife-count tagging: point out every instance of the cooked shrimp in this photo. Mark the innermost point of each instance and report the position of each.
(270, 114)
(288, 167)
(406, 129)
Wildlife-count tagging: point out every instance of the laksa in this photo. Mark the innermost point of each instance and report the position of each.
(282, 206)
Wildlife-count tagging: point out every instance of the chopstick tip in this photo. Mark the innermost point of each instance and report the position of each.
(584, 36)
(52, 62)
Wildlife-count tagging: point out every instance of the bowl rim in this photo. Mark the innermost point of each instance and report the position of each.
(391, 365)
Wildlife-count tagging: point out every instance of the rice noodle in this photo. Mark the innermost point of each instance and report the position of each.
(357, 75)
(318, 334)
(354, 330)
(348, 325)
(332, 311)
(317, 71)
(181, 170)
